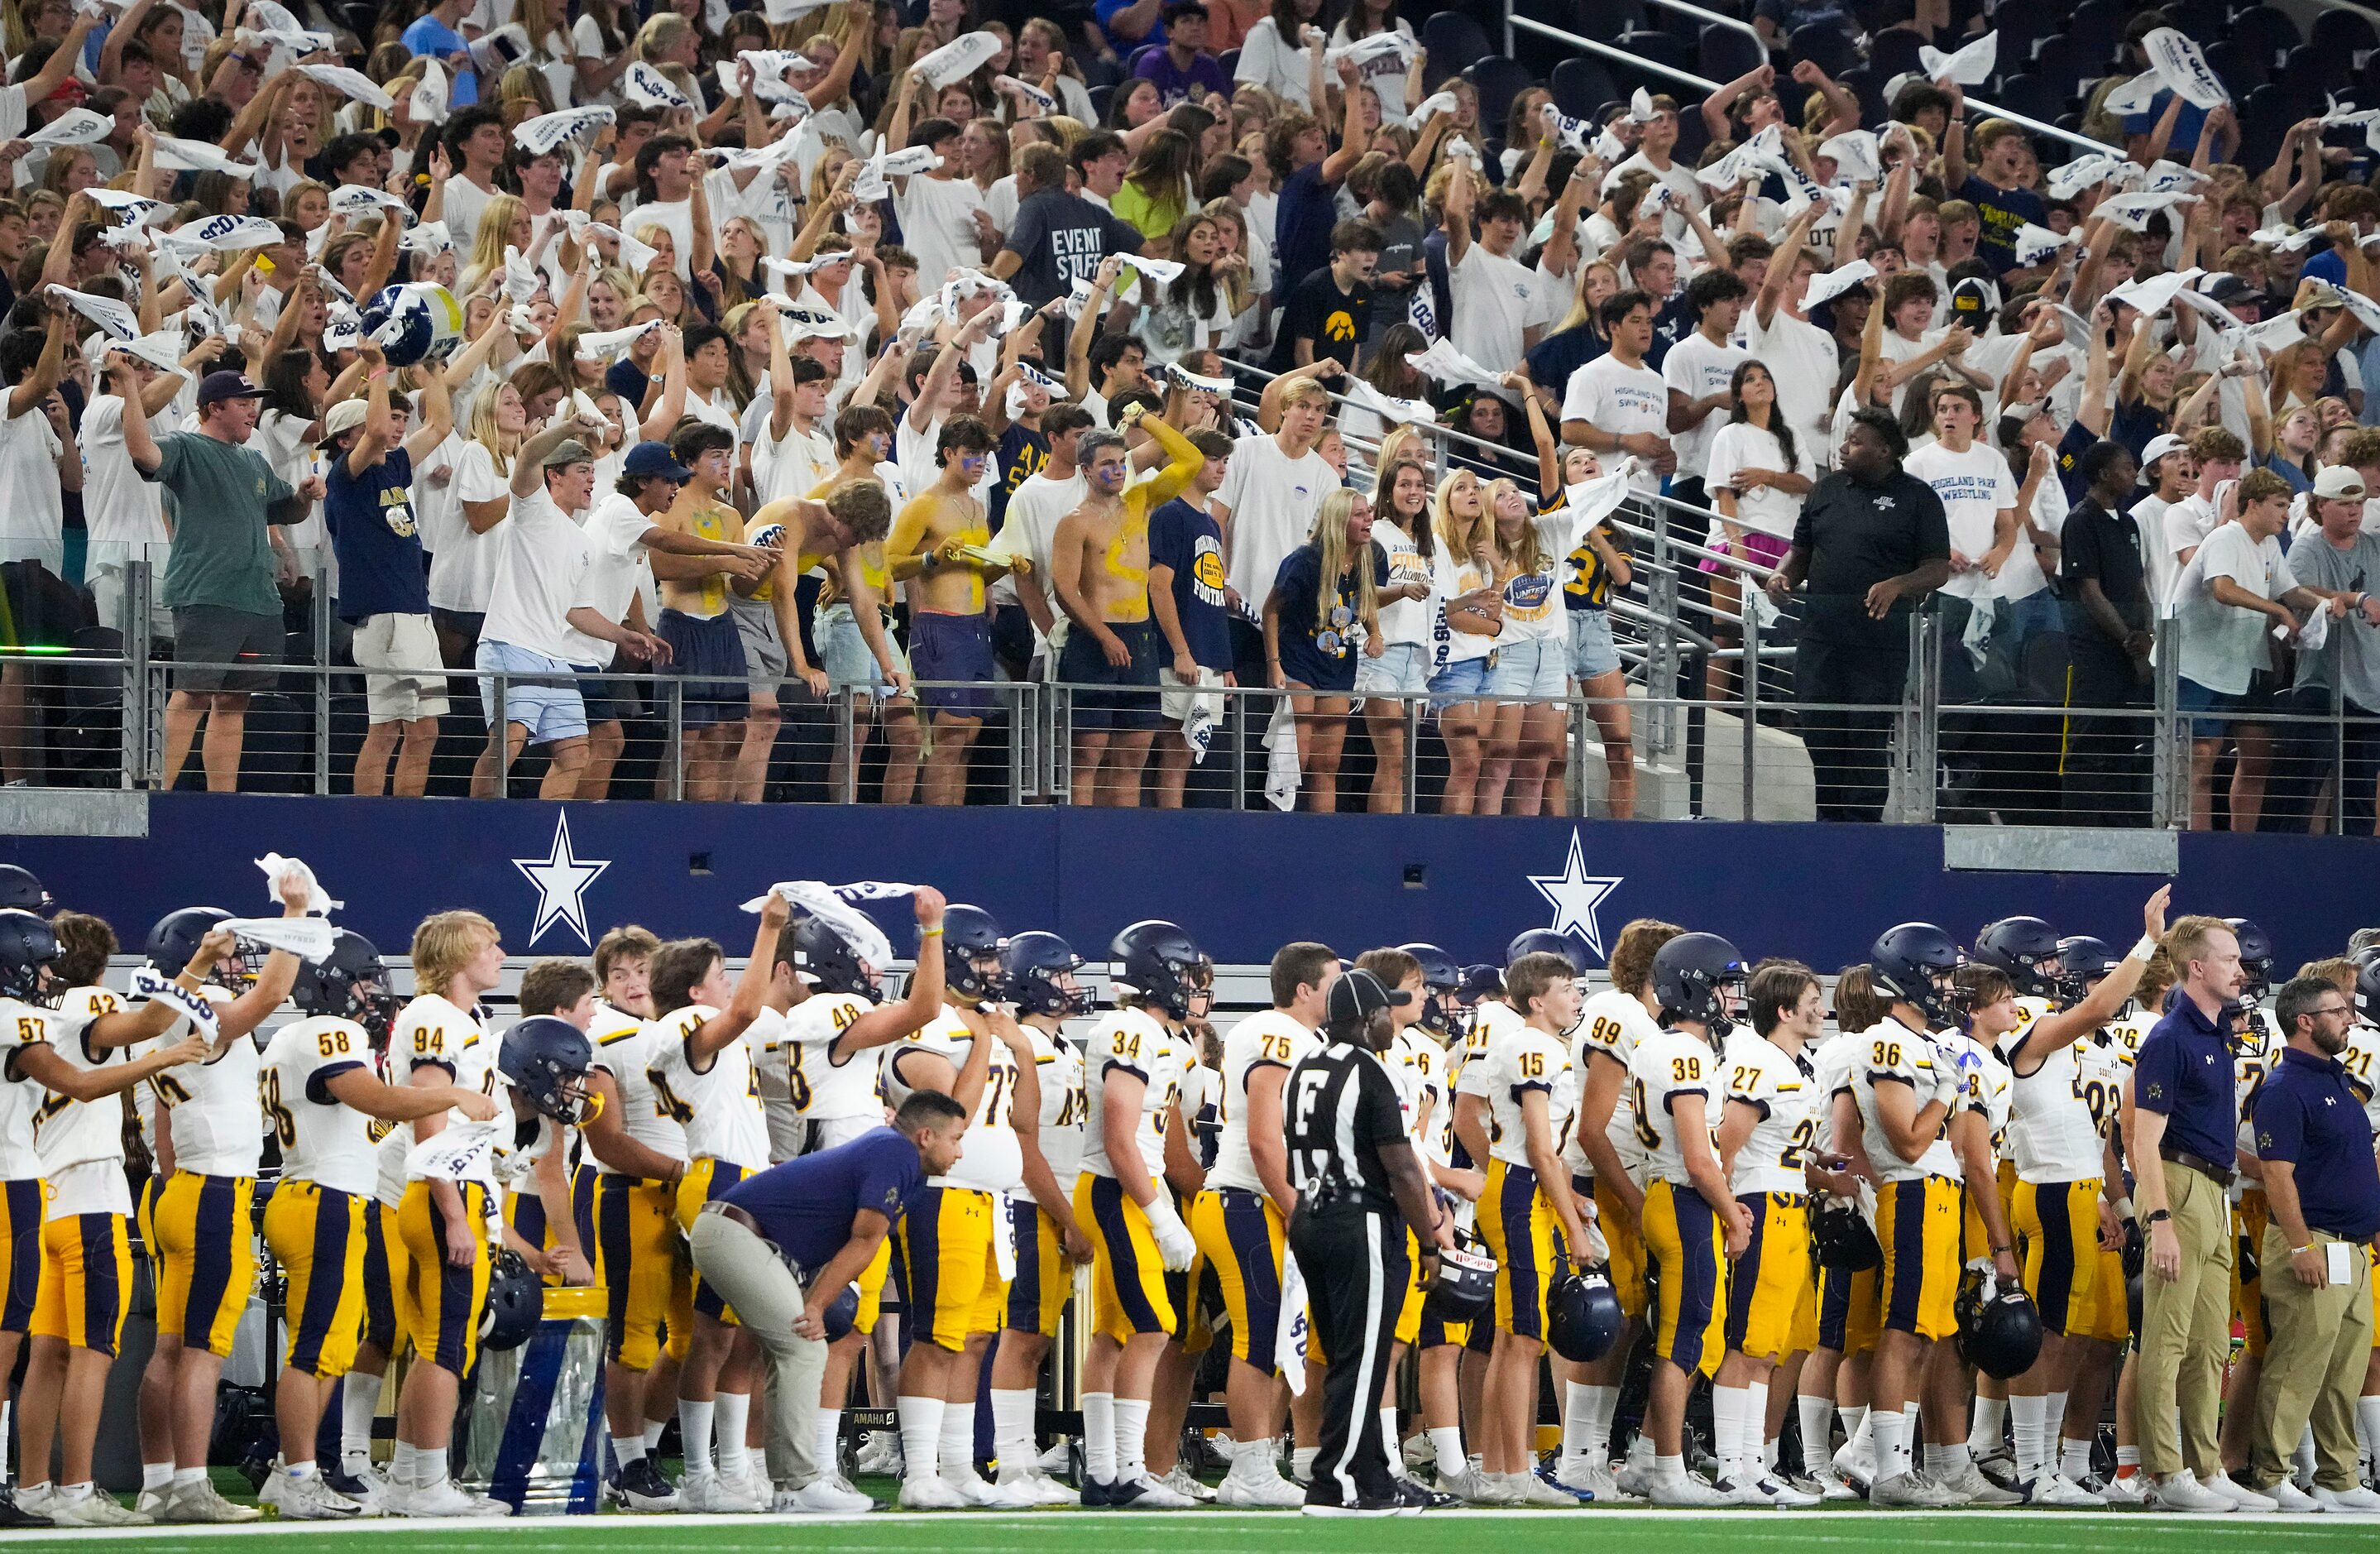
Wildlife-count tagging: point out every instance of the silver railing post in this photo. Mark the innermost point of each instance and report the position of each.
(1239, 698)
(322, 617)
(847, 712)
(1749, 641)
(676, 737)
(1062, 737)
(1575, 746)
(132, 624)
(2169, 755)
(1413, 754)
(1020, 719)
(500, 730)
(1923, 712)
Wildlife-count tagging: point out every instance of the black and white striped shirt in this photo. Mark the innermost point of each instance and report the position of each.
(1340, 1111)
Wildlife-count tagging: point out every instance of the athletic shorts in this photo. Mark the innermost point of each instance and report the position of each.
(1772, 1305)
(1918, 1223)
(206, 1254)
(86, 1280)
(1527, 1242)
(706, 658)
(1118, 696)
(1128, 1286)
(1241, 1235)
(706, 1178)
(316, 1233)
(951, 648)
(210, 638)
(2057, 1225)
(949, 1268)
(638, 1254)
(447, 1299)
(1686, 1241)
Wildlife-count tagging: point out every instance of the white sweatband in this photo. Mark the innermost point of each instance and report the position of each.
(2145, 950)
(2124, 1210)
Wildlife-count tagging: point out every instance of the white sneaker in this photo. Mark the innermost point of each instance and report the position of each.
(2131, 1490)
(359, 1484)
(821, 1496)
(1773, 1490)
(706, 1492)
(2241, 1495)
(1418, 1452)
(1058, 1459)
(2057, 1490)
(305, 1499)
(200, 1503)
(1854, 1466)
(1253, 1484)
(37, 1500)
(879, 1454)
(1906, 1491)
(973, 1489)
(1585, 1475)
(759, 1490)
(1684, 1489)
(2181, 1491)
(1969, 1484)
(2358, 1501)
(1040, 1488)
(1148, 1494)
(928, 1492)
(1635, 1476)
(1527, 1488)
(1998, 1464)
(1470, 1486)
(2296, 1502)
(441, 1499)
(156, 1502)
(1182, 1481)
(92, 1508)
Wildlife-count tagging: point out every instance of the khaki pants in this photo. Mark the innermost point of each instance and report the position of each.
(2314, 1367)
(753, 1279)
(2186, 1334)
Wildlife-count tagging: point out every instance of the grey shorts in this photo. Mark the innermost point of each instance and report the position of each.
(764, 649)
(208, 635)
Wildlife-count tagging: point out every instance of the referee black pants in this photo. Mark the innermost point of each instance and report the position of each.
(1356, 1270)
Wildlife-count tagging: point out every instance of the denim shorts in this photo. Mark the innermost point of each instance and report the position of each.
(1460, 680)
(1537, 667)
(540, 694)
(843, 652)
(1402, 669)
(1591, 650)
(2224, 708)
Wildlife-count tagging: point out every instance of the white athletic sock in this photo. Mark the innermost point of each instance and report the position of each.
(359, 1402)
(1728, 1405)
(2032, 1426)
(2304, 1458)
(921, 1435)
(1859, 1426)
(299, 1470)
(1817, 1441)
(735, 1414)
(400, 1465)
(1253, 1460)
(694, 1427)
(629, 1449)
(1389, 1440)
(1301, 1460)
(653, 1428)
(958, 1438)
(1669, 1470)
(1131, 1439)
(1099, 1437)
(1984, 1433)
(2074, 1458)
(189, 1476)
(2127, 1457)
(1578, 1424)
(2367, 1423)
(2053, 1418)
(1012, 1427)
(429, 1467)
(1760, 1451)
(828, 1445)
(1892, 1442)
(156, 1475)
(1446, 1441)
(1603, 1402)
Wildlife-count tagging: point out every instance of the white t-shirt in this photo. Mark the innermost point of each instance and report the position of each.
(33, 510)
(462, 570)
(938, 225)
(1268, 60)
(2023, 578)
(465, 200)
(1974, 486)
(2148, 515)
(1741, 445)
(1496, 298)
(2223, 644)
(1621, 400)
(118, 506)
(619, 564)
(1273, 500)
(1407, 620)
(1802, 360)
(795, 465)
(1684, 186)
(1698, 369)
(541, 577)
(292, 456)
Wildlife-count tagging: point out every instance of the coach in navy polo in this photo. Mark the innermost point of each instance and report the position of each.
(2186, 1126)
(2325, 1190)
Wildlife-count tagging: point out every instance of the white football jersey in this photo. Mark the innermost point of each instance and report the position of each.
(1139, 1044)
(1613, 1024)
(1268, 1038)
(2126, 1035)
(472, 1056)
(1897, 1054)
(219, 1129)
(1058, 1064)
(322, 1139)
(2060, 1113)
(82, 1142)
(1990, 1082)
(1523, 1060)
(498, 1153)
(2256, 1054)
(625, 1051)
(719, 1105)
(1783, 1088)
(1666, 1067)
(765, 1037)
(428, 1031)
(1490, 1022)
(992, 1161)
(22, 1098)
(2361, 1060)
(821, 1087)
(1417, 1064)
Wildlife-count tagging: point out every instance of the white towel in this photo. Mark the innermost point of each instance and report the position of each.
(1281, 776)
(310, 938)
(831, 905)
(1290, 1331)
(276, 867)
(149, 984)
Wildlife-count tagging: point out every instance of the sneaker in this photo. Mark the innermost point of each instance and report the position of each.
(922, 1491)
(93, 1508)
(881, 1453)
(1684, 1489)
(1837, 1488)
(1182, 1481)
(1527, 1488)
(1772, 1490)
(759, 1490)
(1906, 1491)
(1390, 1505)
(441, 1499)
(1968, 1483)
(1999, 1466)
(1146, 1494)
(2181, 1491)
(1584, 1477)
(2293, 1499)
(1421, 1497)
(977, 1490)
(643, 1486)
(156, 1503)
(1097, 1492)
(15, 1517)
(1856, 1466)
(360, 1487)
(2358, 1501)
(1418, 1452)
(199, 1502)
(821, 1496)
(1059, 1459)
(1548, 1475)
(1635, 1476)
(2126, 1489)
(1473, 1487)
(39, 1500)
(1039, 1486)
(1257, 1486)
(2241, 1495)
(2057, 1490)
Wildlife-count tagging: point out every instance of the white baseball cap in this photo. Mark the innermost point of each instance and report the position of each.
(2161, 444)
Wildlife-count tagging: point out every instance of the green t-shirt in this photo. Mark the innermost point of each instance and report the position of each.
(1154, 218)
(222, 494)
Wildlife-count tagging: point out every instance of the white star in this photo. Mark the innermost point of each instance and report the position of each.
(1575, 894)
(561, 883)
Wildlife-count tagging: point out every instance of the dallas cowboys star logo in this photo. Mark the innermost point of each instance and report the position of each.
(1575, 894)
(561, 880)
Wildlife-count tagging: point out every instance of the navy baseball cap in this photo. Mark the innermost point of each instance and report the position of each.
(647, 459)
(218, 386)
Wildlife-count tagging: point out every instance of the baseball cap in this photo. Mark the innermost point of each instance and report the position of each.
(1482, 980)
(567, 452)
(1359, 995)
(2338, 481)
(649, 460)
(219, 386)
(2163, 442)
(344, 416)
(2233, 292)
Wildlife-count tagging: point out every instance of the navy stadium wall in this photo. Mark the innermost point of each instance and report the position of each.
(553, 876)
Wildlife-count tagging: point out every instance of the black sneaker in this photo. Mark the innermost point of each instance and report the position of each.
(1385, 1505)
(1420, 1497)
(12, 1515)
(643, 1486)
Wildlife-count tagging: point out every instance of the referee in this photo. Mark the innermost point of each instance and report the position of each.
(1360, 1187)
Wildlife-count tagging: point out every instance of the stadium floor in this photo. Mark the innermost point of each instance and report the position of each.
(1856, 1529)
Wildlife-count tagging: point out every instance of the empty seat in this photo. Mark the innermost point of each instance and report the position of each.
(1725, 51)
(2268, 32)
(1580, 86)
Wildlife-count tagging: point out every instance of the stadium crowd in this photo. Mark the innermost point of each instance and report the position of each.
(820, 348)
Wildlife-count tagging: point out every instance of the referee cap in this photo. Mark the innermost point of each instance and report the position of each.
(1357, 996)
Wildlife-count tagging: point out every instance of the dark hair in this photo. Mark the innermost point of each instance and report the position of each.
(2098, 458)
(1109, 350)
(2298, 996)
(932, 132)
(1619, 304)
(1500, 205)
(1356, 236)
(1299, 965)
(701, 334)
(84, 944)
(694, 438)
(1714, 287)
(1215, 179)
(1776, 987)
(201, 118)
(1965, 393)
(554, 986)
(1091, 147)
(285, 385)
(925, 1108)
(964, 433)
(343, 150)
(1895, 442)
(677, 967)
(1778, 426)
(1063, 418)
(465, 123)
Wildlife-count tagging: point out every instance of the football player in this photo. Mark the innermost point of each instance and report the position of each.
(1906, 1097)
(1528, 1213)
(624, 960)
(1133, 1061)
(1040, 970)
(701, 1070)
(70, 1263)
(947, 1244)
(1691, 1223)
(320, 1096)
(1608, 1163)
(543, 1211)
(1768, 1144)
(1444, 1404)
(2066, 1079)
(1241, 1219)
(443, 1216)
(1835, 1377)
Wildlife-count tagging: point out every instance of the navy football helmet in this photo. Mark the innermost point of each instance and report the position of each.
(1582, 1317)
(2255, 957)
(1916, 963)
(515, 1301)
(351, 984)
(2082, 960)
(174, 941)
(547, 1059)
(827, 959)
(1690, 976)
(2026, 949)
(1032, 966)
(1441, 975)
(1159, 961)
(27, 951)
(971, 936)
(21, 889)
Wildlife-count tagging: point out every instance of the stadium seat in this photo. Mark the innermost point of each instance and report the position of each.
(1453, 40)
(1230, 60)
(2344, 33)
(2034, 97)
(1724, 51)
(2021, 29)
(1867, 85)
(1894, 51)
(1825, 46)
(1581, 86)
(1498, 81)
(1100, 96)
(2266, 115)
(2064, 64)
(2311, 71)
(1660, 48)
(2202, 19)
(2268, 32)
(2238, 67)
(2097, 26)
(1605, 19)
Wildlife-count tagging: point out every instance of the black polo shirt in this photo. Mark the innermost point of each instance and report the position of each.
(2307, 1114)
(2105, 547)
(2184, 1073)
(1858, 535)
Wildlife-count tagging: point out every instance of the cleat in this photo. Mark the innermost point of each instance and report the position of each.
(643, 1486)
(1687, 1491)
(930, 1492)
(2181, 1491)
(1146, 1494)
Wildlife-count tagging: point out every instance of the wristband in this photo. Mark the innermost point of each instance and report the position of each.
(2159, 1217)
(2124, 1210)
(928, 933)
(2295, 1250)
(2145, 949)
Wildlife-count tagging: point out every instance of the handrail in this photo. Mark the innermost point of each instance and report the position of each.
(1735, 23)
(1633, 61)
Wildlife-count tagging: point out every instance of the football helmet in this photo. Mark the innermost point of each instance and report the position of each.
(516, 1298)
(1914, 963)
(547, 1058)
(1844, 1240)
(970, 935)
(1545, 941)
(1159, 961)
(2255, 964)
(828, 960)
(174, 941)
(2025, 948)
(2082, 960)
(27, 951)
(2367, 989)
(351, 984)
(1032, 966)
(1441, 975)
(1582, 1317)
(1465, 1286)
(1692, 975)
(1999, 1329)
(21, 889)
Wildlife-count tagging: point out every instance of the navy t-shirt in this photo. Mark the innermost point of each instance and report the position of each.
(1316, 650)
(1022, 452)
(2067, 457)
(628, 381)
(805, 1205)
(374, 535)
(2184, 1070)
(1303, 218)
(2309, 1114)
(1188, 541)
(2003, 212)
